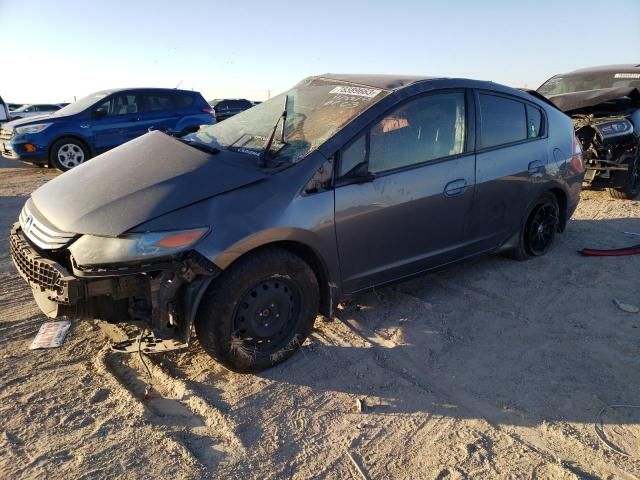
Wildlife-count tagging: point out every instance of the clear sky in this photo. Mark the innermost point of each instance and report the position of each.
(53, 50)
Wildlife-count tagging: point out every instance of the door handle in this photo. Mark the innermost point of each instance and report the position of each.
(455, 187)
(536, 166)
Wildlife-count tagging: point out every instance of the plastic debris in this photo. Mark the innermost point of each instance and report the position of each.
(626, 307)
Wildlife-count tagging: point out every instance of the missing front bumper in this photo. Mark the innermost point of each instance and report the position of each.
(163, 297)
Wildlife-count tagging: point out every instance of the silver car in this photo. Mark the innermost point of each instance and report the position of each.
(31, 110)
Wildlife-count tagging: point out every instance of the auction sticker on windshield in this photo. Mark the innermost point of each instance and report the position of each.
(359, 91)
(627, 75)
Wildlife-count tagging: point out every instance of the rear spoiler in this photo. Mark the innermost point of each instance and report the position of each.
(539, 96)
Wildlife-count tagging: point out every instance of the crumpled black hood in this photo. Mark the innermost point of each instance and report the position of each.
(138, 181)
(590, 98)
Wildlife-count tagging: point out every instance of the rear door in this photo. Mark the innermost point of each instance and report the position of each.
(121, 122)
(404, 189)
(511, 160)
(158, 111)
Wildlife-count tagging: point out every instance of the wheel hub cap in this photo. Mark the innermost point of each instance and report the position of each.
(70, 155)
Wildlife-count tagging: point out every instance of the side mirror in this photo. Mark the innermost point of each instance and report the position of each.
(100, 112)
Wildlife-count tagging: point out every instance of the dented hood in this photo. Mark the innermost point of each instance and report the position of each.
(138, 181)
(590, 98)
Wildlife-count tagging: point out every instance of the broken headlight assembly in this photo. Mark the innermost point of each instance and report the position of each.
(614, 128)
(91, 250)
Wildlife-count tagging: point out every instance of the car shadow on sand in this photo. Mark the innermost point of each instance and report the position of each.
(513, 342)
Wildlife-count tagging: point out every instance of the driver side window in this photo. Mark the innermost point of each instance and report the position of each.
(424, 129)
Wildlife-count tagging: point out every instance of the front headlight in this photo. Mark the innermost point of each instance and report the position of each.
(37, 128)
(93, 250)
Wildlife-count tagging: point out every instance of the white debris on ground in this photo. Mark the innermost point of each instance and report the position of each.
(491, 369)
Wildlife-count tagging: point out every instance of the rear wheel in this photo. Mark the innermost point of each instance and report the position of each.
(629, 181)
(540, 228)
(259, 311)
(67, 153)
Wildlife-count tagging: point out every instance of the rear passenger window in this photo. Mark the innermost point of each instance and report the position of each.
(502, 121)
(421, 130)
(183, 101)
(157, 101)
(534, 122)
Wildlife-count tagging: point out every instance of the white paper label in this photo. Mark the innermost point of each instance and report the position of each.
(359, 91)
(50, 335)
(627, 75)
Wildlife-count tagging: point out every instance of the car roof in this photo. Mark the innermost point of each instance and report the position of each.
(620, 68)
(152, 89)
(387, 82)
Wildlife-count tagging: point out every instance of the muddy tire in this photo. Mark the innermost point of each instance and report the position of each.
(630, 181)
(539, 231)
(259, 311)
(67, 153)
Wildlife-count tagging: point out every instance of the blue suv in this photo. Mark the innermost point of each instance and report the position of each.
(101, 121)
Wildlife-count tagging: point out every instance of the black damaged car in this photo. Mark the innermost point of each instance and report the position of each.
(604, 103)
(249, 228)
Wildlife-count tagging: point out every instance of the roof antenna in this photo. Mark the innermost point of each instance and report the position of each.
(179, 83)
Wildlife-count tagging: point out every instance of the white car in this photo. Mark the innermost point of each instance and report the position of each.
(32, 110)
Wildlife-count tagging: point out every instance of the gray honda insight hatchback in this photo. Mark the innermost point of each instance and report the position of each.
(250, 228)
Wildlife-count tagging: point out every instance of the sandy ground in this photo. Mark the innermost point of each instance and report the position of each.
(492, 369)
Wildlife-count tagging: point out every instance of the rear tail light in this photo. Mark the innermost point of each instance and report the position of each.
(576, 156)
(207, 109)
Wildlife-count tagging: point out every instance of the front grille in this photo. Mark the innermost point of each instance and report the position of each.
(40, 271)
(5, 135)
(44, 236)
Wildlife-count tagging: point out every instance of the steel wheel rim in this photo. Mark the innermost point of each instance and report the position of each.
(267, 314)
(542, 228)
(70, 155)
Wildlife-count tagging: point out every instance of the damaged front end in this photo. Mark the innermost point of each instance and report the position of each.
(160, 295)
(607, 125)
(610, 148)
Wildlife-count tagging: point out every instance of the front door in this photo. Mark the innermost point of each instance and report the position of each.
(119, 124)
(403, 192)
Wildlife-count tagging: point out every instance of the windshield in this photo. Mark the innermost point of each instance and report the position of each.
(315, 110)
(589, 81)
(81, 104)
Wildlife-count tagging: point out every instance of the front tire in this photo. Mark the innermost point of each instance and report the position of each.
(539, 231)
(67, 153)
(259, 311)
(630, 181)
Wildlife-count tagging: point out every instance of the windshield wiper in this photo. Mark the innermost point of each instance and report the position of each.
(267, 147)
(201, 146)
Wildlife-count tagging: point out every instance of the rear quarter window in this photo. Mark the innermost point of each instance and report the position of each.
(502, 121)
(535, 125)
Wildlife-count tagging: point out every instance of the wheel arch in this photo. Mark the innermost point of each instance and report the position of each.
(561, 198)
(328, 286)
(73, 136)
